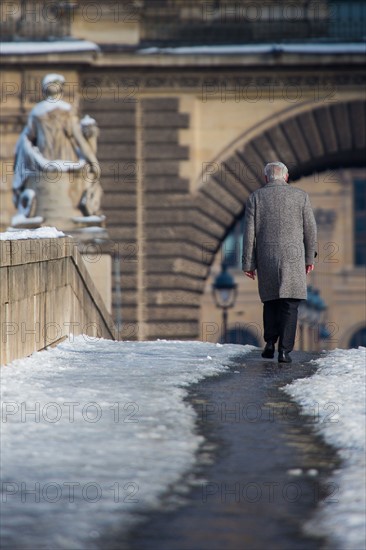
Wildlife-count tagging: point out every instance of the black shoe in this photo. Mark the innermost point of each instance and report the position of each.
(284, 357)
(268, 352)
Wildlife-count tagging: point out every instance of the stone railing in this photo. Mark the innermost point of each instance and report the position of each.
(46, 295)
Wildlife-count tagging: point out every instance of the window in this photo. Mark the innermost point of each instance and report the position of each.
(240, 335)
(232, 247)
(346, 19)
(359, 209)
(358, 339)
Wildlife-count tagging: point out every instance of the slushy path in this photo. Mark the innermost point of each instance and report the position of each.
(260, 473)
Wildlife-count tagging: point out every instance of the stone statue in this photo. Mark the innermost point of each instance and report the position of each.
(91, 197)
(56, 171)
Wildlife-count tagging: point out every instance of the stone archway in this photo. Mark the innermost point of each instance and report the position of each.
(354, 333)
(166, 236)
(358, 338)
(315, 139)
(241, 335)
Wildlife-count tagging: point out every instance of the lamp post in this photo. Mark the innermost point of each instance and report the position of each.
(224, 291)
(310, 315)
(320, 307)
(302, 316)
(324, 333)
(313, 313)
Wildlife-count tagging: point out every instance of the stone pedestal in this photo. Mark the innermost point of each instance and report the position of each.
(57, 195)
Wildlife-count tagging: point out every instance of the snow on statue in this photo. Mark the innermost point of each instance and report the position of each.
(55, 144)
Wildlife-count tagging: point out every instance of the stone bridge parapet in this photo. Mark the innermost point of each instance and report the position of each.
(46, 295)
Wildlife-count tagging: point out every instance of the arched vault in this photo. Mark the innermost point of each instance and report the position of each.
(317, 138)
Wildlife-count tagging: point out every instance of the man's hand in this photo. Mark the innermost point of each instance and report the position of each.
(309, 268)
(250, 274)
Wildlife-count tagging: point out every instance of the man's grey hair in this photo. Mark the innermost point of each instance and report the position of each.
(275, 171)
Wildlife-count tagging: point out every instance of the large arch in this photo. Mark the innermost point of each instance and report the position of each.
(309, 140)
(353, 331)
(313, 140)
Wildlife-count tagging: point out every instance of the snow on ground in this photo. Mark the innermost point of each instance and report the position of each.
(337, 392)
(40, 233)
(109, 432)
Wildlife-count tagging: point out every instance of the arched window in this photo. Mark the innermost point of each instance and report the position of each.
(358, 339)
(232, 247)
(241, 336)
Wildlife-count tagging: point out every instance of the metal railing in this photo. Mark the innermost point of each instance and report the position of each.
(23, 20)
(199, 22)
(193, 22)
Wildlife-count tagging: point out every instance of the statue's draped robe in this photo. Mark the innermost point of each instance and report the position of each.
(52, 141)
(52, 134)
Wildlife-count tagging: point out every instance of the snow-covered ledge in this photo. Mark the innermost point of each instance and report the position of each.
(47, 47)
(46, 294)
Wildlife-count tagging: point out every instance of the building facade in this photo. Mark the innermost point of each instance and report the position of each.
(192, 99)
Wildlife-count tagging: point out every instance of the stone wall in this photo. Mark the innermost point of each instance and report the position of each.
(46, 295)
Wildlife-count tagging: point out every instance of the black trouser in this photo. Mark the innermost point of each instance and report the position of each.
(280, 320)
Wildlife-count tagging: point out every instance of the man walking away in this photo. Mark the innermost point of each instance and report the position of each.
(279, 243)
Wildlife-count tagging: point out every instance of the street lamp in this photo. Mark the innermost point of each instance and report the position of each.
(224, 291)
(302, 316)
(315, 309)
(320, 307)
(310, 315)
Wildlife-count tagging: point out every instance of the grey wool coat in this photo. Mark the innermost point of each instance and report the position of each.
(279, 240)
